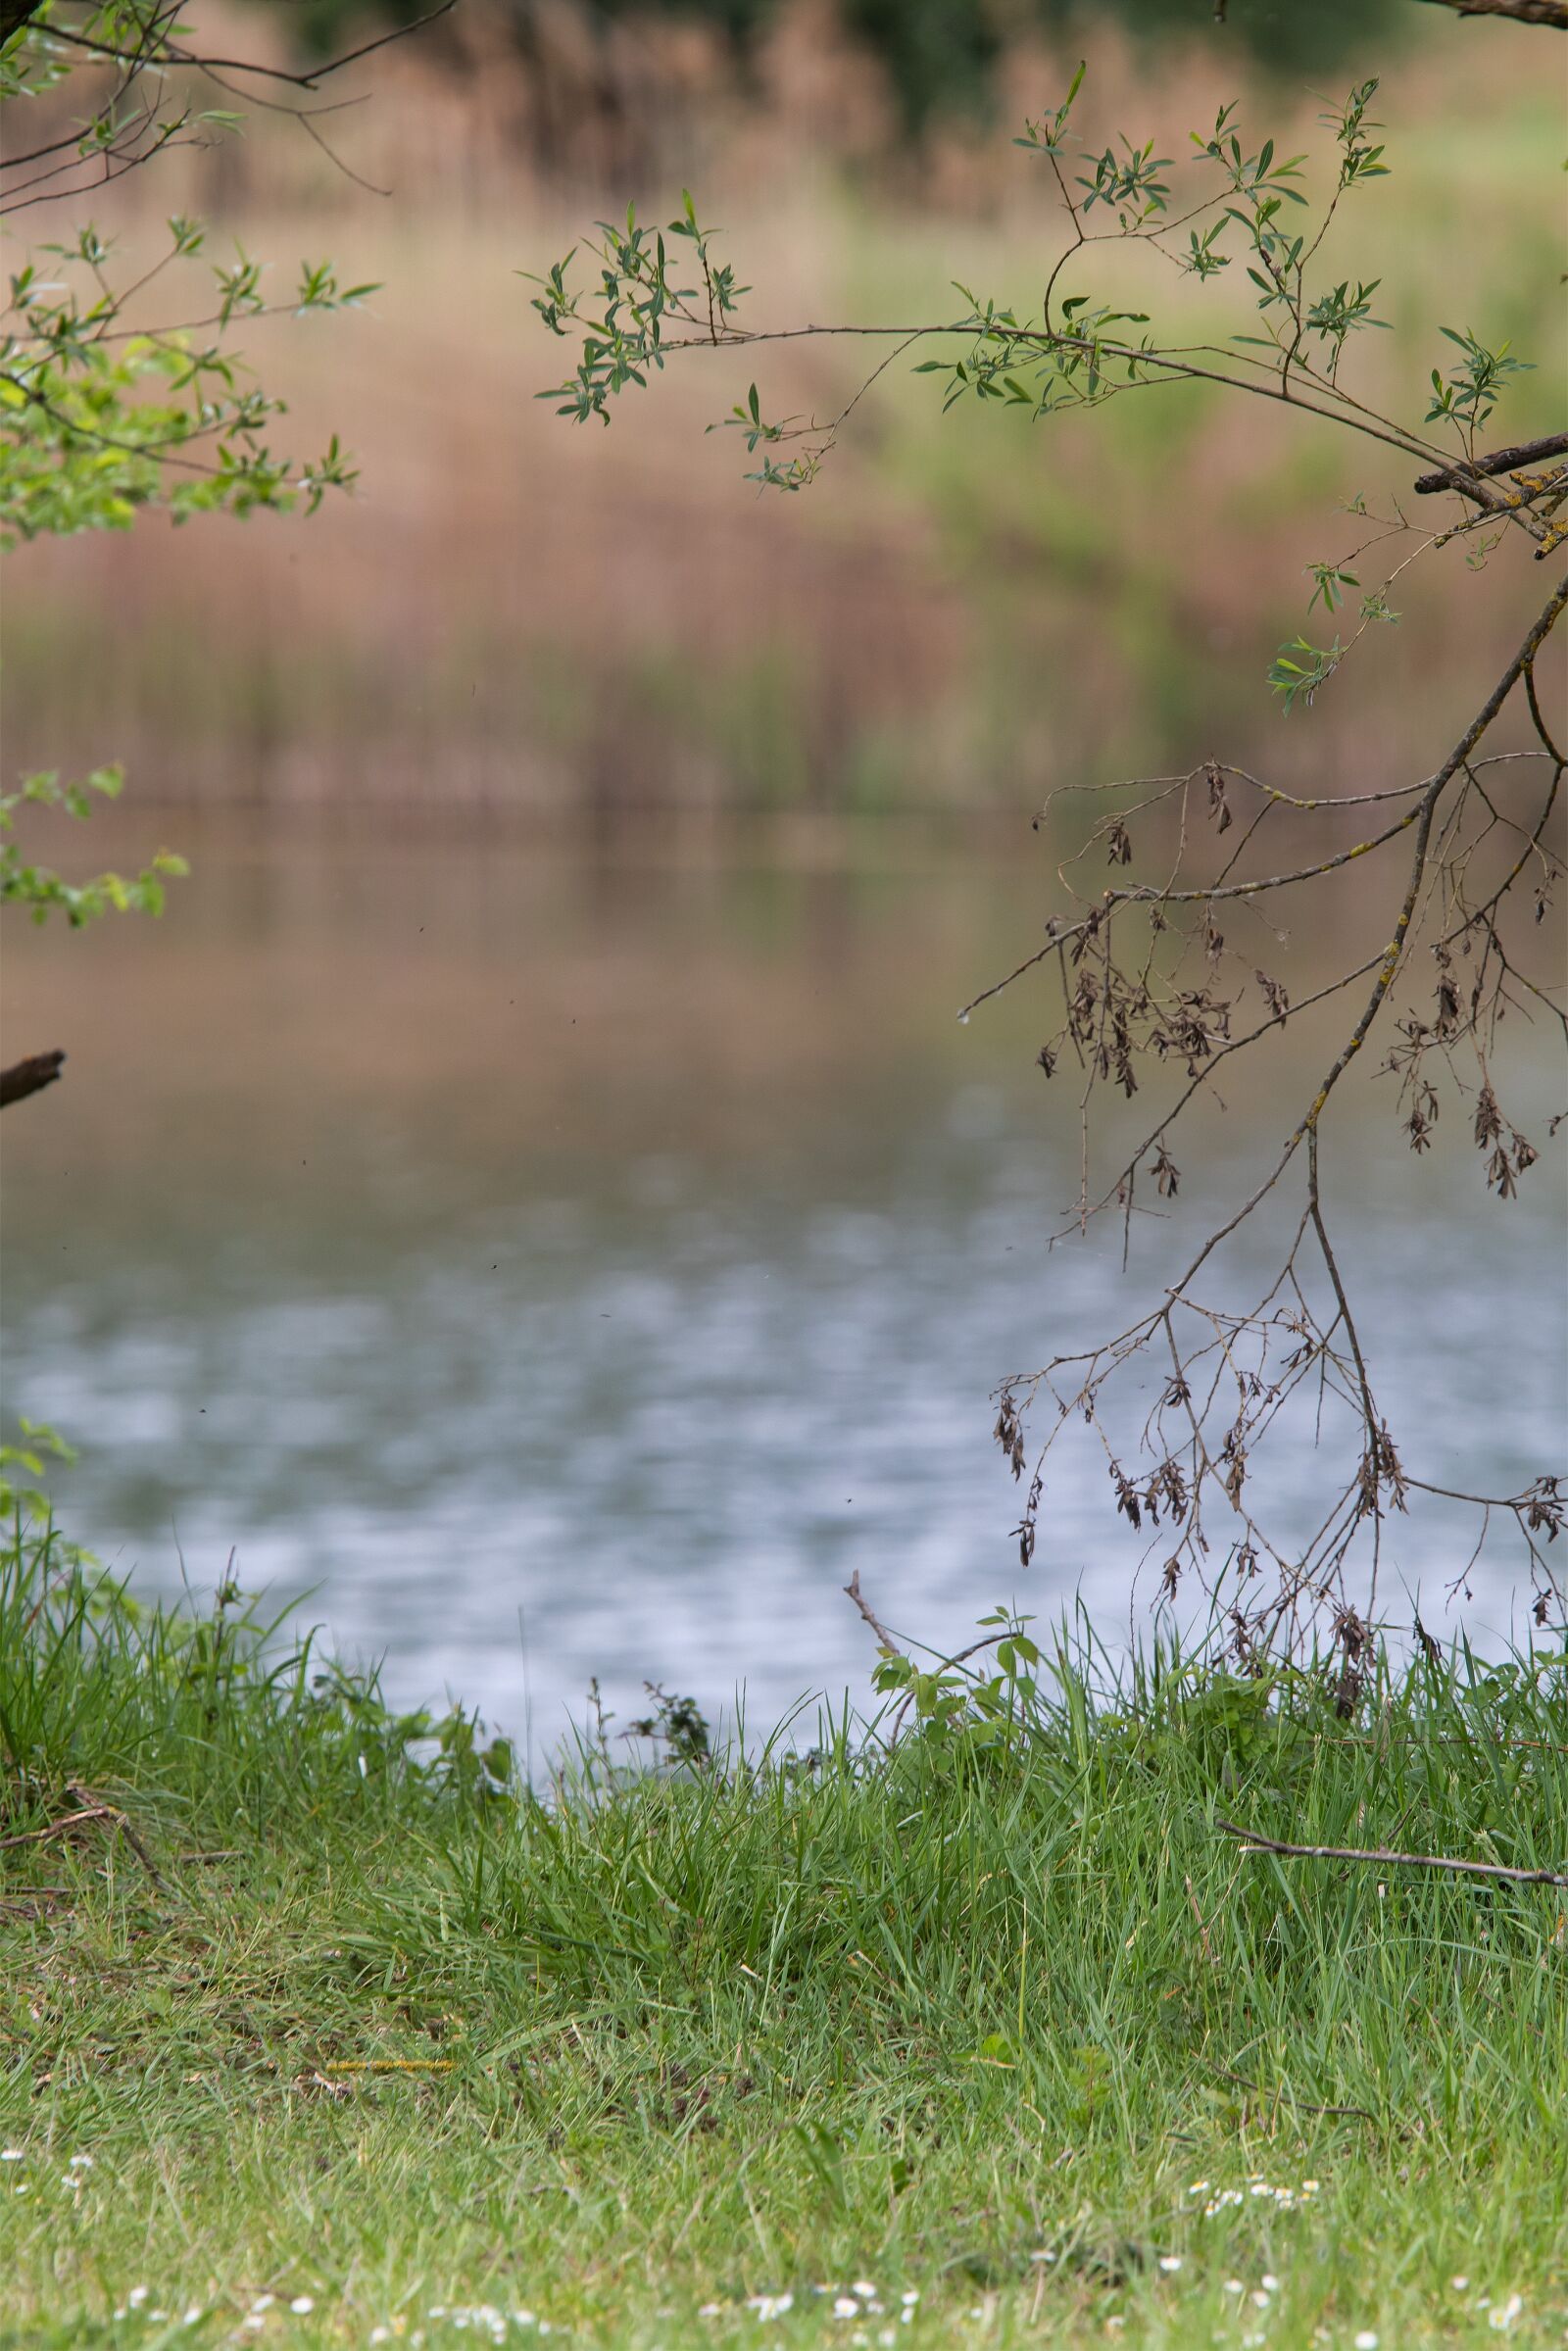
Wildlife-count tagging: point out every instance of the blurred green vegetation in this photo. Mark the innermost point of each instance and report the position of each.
(966, 608)
(940, 56)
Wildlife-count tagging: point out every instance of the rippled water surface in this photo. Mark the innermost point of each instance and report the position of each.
(560, 1266)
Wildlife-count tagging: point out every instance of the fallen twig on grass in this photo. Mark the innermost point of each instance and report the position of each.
(67, 1820)
(1252, 1842)
(385, 2065)
(85, 1796)
(88, 1808)
(1301, 2105)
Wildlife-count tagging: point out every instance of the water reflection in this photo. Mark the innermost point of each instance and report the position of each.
(568, 1268)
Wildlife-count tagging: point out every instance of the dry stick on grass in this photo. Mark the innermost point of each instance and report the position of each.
(385, 2065)
(89, 1808)
(1301, 2105)
(1252, 1842)
(67, 1820)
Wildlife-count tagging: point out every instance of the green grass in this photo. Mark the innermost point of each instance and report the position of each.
(335, 2017)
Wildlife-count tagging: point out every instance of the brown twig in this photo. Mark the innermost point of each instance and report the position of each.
(89, 1807)
(385, 2065)
(1301, 2105)
(853, 1592)
(57, 1828)
(1252, 1842)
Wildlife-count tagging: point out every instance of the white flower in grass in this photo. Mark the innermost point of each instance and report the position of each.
(1270, 2284)
(1170, 2262)
(775, 2306)
(262, 2304)
(1503, 2317)
(845, 2306)
(302, 2305)
(380, 2335)
(863, 2288)
(137, 2296)
(81, 2163)
(710, 2310)
(1366, 2340)
(1456, 2285)
(12, 2155)
(1234, 2285)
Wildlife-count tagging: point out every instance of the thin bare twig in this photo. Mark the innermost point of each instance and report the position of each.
(1278, 2097)
(1252, 1842)
(853, 1592)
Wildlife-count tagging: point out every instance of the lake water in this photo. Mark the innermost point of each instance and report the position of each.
(561, 1265)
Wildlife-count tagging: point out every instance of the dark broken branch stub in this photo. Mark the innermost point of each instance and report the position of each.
(29, 1077)
(1500, 461)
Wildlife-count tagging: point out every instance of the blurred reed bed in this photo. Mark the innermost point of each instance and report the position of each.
(515, 616)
